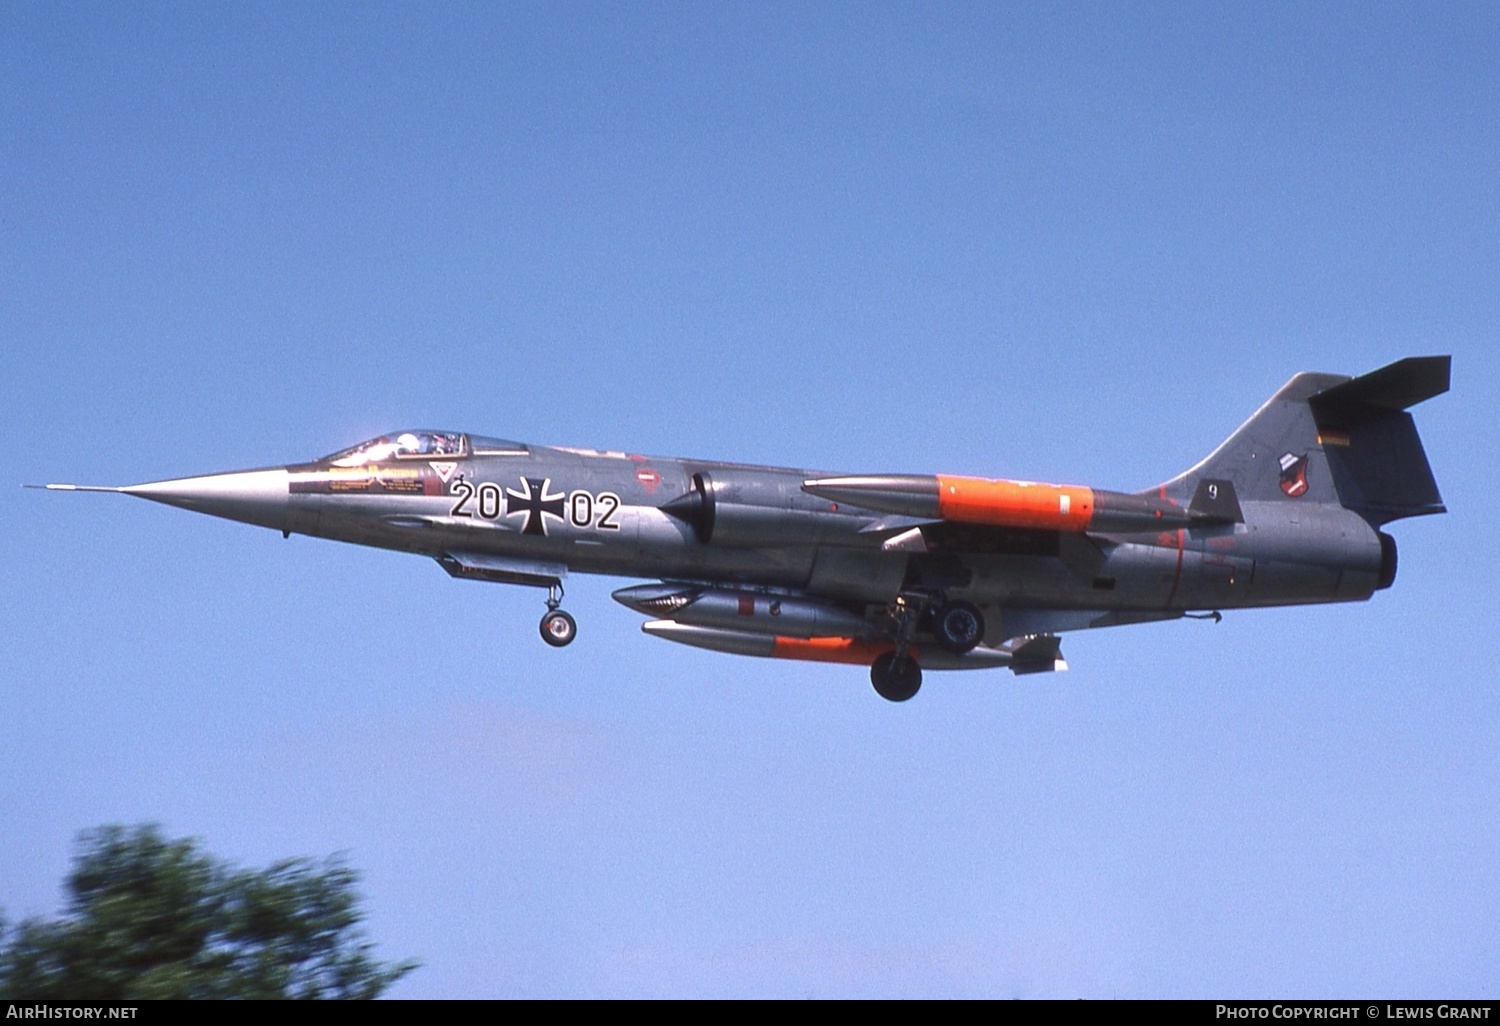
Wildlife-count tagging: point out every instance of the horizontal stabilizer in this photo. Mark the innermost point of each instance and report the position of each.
(1396, 386)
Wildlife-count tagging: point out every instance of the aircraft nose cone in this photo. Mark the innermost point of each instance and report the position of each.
(250, 496)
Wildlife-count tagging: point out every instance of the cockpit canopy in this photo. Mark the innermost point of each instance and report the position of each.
(419, 444)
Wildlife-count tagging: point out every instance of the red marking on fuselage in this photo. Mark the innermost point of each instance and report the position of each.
(1166, 539)
(1177, 573)
(648, 478)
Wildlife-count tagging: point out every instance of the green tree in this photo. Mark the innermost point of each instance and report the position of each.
(149, 917)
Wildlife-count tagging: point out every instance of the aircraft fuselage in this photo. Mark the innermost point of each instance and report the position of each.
(902, 571)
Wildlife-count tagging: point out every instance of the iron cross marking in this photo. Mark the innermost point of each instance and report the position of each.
(534, 502)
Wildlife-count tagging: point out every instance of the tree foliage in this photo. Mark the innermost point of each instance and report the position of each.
(149, 917)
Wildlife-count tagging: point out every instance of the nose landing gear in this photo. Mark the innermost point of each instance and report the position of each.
(557, 627)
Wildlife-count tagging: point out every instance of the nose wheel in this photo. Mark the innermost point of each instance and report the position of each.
(557, 627)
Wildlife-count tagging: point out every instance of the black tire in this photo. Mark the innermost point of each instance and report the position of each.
(558, 628)
(895, 680)
(958, 626)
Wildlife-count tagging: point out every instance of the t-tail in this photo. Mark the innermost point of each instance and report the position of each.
(1322, 445)
(1327, 439)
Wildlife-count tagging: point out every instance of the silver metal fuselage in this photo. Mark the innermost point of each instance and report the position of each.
(897, 571)
(603, 513)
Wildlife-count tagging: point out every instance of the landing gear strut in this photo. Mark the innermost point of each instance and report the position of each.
(957, 626)
(895, 674)
(558, 628)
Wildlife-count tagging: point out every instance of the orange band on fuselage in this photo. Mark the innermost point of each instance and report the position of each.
(976, 500)
(831, 650)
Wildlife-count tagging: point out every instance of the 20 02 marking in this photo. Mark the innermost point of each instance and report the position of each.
(585, 509)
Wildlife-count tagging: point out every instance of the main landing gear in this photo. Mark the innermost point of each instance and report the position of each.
(895, 674)
(896, 677)
(558, 628)
(958, 626)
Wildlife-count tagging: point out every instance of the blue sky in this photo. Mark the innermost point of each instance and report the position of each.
(1073, 243)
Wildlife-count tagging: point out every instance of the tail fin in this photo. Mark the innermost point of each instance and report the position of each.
(1331, 439)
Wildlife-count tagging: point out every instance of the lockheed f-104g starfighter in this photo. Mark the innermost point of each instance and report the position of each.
(902, 572)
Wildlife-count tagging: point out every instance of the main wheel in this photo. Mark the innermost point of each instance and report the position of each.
(958, 627)
(895, 680)
(558, 628)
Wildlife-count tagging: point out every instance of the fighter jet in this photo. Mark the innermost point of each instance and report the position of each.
(902, 572)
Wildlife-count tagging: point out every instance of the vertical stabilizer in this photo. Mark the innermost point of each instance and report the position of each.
(1330, 439)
